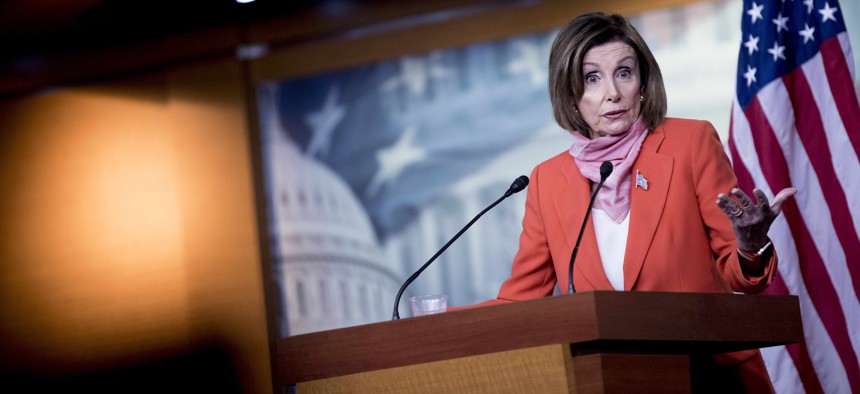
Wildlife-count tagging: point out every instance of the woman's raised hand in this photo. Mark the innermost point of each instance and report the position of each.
(752, 221)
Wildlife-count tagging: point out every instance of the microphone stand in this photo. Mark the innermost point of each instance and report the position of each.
(605, 170)
(513, 189)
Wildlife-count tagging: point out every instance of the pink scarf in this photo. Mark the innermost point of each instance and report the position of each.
(622, 150)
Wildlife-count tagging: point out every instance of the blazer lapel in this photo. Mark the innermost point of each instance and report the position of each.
(646, 206)
(571, 201)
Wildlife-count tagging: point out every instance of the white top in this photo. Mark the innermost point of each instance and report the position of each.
(612, 243)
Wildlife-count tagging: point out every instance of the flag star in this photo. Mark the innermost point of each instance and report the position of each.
(530, 62)
(750, 75)
(755, 12)
(781, 23)
(777, 51)
(415, 75)
(827, 13)
(807, 33)
(394, 159)
(323, 122)
(808, 4)
(752, 44)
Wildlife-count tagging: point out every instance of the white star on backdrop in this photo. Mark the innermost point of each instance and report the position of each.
(777, 51)
(781, 23)
(755, 12)
(323, 122)
(752, 44)
(394, 159)
(414, 74)
(807, 33)
(530, 62)
(750, 75)
(808, 4)
(827, 13)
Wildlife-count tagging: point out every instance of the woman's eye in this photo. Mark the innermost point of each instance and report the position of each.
(624, 73)
(591, 78)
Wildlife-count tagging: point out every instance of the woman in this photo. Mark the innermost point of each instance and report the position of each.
(664, 200)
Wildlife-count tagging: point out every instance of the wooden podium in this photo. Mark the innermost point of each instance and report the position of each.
(593, 342)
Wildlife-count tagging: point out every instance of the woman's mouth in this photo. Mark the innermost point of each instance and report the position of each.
(613, 115)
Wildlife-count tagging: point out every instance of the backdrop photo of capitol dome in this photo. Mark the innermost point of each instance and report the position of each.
(370, 170)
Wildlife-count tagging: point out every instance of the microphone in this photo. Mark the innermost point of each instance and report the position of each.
(605, 170)
(518, 185)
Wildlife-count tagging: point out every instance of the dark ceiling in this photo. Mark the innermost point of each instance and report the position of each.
(54, 43)
(49, 27)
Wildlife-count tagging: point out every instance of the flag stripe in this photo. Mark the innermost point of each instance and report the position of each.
(814, 272)
(802, 368)
(844, 95)
(843, 157)
(849, 55)
(812, 134)
(745, 180)
(782, 370)
(776, 104)
(798, 351)
(825, 359)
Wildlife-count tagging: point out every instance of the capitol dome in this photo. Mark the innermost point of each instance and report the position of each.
(328, 265)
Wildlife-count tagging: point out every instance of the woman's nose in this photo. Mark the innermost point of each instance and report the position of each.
(612, 93)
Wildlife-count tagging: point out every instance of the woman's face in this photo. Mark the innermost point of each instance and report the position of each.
(610, 99)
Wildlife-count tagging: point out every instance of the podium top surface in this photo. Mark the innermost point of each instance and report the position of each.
(601, 321)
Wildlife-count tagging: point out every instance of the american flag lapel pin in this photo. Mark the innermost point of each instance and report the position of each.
(641, 181)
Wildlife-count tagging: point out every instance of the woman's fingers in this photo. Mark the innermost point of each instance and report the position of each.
(760, 198)
(750, 221)
(729, 207)
(781, 198)
(742, 197)
(735, 210)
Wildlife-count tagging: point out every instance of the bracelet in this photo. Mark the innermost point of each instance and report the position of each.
(754, 256)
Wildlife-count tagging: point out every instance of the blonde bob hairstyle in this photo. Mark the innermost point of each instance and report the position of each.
(565, 68)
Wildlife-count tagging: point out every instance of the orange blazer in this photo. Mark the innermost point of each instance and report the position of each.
(678, 239)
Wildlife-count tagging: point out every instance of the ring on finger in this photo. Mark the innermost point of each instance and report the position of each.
(737, 211)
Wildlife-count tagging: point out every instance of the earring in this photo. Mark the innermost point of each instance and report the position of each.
(641, 98)
(575, 110)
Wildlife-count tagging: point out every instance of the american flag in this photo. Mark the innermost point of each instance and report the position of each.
(796, 123)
